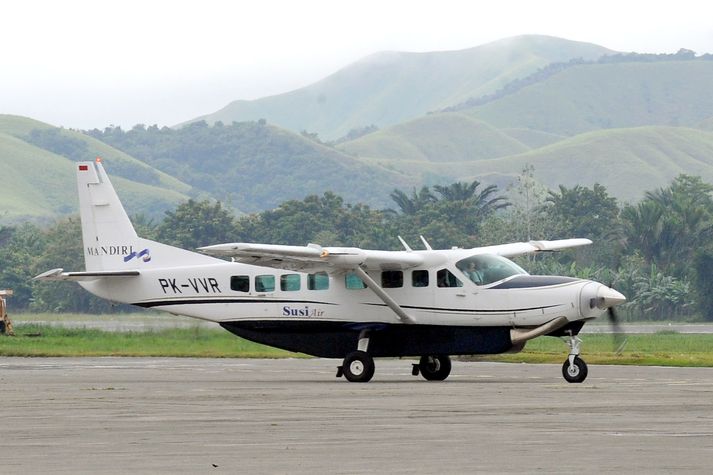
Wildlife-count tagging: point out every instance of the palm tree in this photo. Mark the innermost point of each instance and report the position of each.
(459, 191)
(481, 201)
(416, 202)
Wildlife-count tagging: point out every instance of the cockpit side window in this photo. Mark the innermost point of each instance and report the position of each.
(484, 269)
(445, 278)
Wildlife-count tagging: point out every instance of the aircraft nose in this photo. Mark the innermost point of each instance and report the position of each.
(607, 298)
(596, 297)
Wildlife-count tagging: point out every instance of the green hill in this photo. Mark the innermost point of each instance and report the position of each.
(532, 138)
(38, 184)
(255, 166)
(436, 138)
(391, 87)
(611, 95)
(626, 161)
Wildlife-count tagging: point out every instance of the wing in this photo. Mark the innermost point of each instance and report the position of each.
(313, 258)
(519, 248)
(60, 275)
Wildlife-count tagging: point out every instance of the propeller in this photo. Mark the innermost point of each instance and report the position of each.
(620, 337)
(606, 299)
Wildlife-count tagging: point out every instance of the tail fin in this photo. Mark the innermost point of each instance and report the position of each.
(110, 241)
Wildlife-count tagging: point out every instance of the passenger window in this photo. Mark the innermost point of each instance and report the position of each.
(265, 283)
(391, 279)
(318, 281)
(445, 278)
(419, 278)
(352, 281)
(290, 282)
(240, 283)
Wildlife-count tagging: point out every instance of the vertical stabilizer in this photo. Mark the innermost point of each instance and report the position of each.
(110, 241)
(107, 232)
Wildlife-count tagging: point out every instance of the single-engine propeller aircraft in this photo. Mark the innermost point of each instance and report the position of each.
(340, 302)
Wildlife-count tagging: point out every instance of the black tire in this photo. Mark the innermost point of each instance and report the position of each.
(577, 372)
(435, 368)
(358, 367)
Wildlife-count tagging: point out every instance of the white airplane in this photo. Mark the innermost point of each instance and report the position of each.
(340, 302)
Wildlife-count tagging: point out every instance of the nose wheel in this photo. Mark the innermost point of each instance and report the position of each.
(574, 368)
(576, 371)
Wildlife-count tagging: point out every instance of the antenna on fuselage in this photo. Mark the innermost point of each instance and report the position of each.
(425, 243)
(403, 243)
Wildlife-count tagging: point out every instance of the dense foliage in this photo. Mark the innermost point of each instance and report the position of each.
(656, 252)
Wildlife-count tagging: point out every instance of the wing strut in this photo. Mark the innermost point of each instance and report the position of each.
(386, 298)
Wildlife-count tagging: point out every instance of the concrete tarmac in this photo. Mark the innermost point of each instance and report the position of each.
(148, 415)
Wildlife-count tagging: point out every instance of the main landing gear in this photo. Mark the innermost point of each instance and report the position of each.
(574, 368)
(433, 368)
(358, 366)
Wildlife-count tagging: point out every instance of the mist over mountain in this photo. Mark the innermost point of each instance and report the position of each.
(390, 87)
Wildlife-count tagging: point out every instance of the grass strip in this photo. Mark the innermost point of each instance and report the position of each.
(46, 340)
(657, 349)
(662, 349)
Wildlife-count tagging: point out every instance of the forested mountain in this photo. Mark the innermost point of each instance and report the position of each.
(38, 175)
(392, 87)
(253, 165)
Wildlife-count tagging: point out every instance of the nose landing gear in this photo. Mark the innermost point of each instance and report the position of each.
(574, 368)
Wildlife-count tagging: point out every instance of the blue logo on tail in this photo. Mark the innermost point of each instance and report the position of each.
(143, 255)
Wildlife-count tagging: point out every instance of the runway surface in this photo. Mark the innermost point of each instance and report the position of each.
(145, 415)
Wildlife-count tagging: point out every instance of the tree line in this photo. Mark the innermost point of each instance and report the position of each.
(657, 252)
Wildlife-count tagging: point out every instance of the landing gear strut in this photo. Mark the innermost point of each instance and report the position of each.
(358, 366)
(433, 368)
(574, 368)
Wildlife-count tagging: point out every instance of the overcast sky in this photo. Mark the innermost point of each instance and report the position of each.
(85, 64)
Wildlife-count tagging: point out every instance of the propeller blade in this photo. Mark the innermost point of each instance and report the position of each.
(620, 338)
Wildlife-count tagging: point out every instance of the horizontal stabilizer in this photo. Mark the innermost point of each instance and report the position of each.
(60, 275)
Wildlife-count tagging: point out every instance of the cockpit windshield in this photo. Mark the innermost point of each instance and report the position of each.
(484, 269)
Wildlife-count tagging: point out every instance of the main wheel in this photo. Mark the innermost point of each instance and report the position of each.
(435, 368)
(575, 373)
(358, 367)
